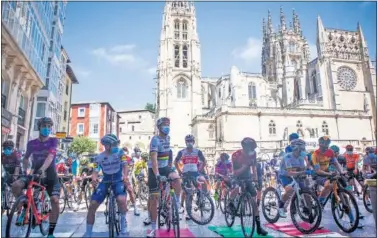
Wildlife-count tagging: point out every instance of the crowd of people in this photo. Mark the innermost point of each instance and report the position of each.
(116, 168)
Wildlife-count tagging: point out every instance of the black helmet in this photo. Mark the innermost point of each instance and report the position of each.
(44, 120)
(8, 143)
(249, 143)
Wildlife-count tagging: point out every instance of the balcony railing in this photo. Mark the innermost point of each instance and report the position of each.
(21, 117)
(3, 100)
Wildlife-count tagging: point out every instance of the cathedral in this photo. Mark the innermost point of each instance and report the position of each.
(334, 94)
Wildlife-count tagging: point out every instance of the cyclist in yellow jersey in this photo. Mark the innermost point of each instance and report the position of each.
(141, 166)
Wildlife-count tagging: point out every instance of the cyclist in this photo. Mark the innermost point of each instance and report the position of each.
(114, 168)
(136, 155)
(11, 162)
(43, 151)
(85, 172)
(222, 169)
(193, 161)
(370, 163)
(340, 157)
(352, 160)
(242, 160)
(292, 136)
(140, 168)
(293, 164)
(159, 169)
(322, 158)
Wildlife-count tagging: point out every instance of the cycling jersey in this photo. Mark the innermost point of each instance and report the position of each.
(40, 150)
(323, 160)
(190, 159)
(351, 160)
(290, 162)
(11, 162)
(111, 165)
(371, 160)
(342, 160)
(223, 167)
(160, 145)
(239, 159)
(139, 166)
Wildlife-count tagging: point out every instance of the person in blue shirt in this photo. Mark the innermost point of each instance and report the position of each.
(292, 136)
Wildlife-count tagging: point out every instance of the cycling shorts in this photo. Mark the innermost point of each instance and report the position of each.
(100, 192)
(152, 180)
(286, 180)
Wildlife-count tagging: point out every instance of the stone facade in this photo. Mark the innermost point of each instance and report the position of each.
(334, 94)
(136, 128)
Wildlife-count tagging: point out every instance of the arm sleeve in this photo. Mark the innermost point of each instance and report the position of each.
(178, 158)
(201, 156)
(314, 161)
(154, 145)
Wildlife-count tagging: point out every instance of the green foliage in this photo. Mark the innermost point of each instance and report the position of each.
(150, 107)
(82, 144)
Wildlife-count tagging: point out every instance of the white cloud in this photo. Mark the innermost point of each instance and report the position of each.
(249, 52)
(152, 70)
(313, 51)
(81, 73)
(119, 54)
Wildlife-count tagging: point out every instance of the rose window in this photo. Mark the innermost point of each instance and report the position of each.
(346, 78)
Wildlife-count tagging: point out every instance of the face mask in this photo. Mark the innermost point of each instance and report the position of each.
(165, 129)
(251, 153)
(7, 152)
(349, 152)
(45, 131)
(138, 153)
(190, 145)
(114, 150)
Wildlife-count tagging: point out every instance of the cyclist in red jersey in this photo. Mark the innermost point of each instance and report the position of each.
(242, 160)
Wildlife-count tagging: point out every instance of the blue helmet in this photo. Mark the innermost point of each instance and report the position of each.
(224, 156)
(109, 139)
(163, 120)
(293, 136)
(189, 138)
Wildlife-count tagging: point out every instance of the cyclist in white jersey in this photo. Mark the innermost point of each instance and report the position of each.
(115, 172)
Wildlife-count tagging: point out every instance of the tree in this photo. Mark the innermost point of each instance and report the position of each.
(150, 107)
(83, 144)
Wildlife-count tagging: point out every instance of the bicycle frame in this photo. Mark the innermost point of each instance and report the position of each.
(31, 203)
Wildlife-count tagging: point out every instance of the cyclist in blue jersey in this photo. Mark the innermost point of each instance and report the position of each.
(159, 169)
(115, 172)
(292, 137)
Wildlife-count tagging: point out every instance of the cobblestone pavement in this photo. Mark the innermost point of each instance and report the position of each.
(72, 224)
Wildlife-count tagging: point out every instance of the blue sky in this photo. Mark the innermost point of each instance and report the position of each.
(113, 46)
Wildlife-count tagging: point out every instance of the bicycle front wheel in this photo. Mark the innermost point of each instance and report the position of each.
(270, 205)
(346, 210)
(17, 217)
(112, 218)
(366, 199)
(175, 216)
(247, 215)
(62, 198)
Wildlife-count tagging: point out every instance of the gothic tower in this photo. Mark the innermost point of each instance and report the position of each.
(179, 70)
(285, 55)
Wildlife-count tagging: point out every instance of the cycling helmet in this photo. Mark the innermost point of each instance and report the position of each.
(335, 148)
(349, 148)
(249, 143)
(144, 155)
(8, 143)
(125, 149)
(109, 139)
(163, 121)
(44, 120)
(224, 156)
(293, 136)
(369, 150)
(137, 149)
(189, 138)
(84, 161)
(324, 140)
(60, 168)
(298, 144)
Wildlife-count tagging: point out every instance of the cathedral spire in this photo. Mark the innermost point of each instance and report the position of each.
(283, 26)
(269, 23)
(264, 28)
(296, 23)
(179, 5)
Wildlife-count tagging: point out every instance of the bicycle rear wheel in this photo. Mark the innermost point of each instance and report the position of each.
(270, 202)
(17, 210)
(247, 212)
(45, 206)
(229, 214)
(366, 198)
(62, 198)
(175, 216)
(88, 194)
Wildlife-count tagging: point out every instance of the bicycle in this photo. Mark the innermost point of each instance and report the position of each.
(193, 187)
(311, 213)
(112, 214)
(141, 191)
(222, 190)
(361, 189)
(237, 206)
(340, 198)
(32, 209)
(7, 198)
(168, 208)
(65, 198)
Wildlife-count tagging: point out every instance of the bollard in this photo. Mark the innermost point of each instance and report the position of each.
(372, 184)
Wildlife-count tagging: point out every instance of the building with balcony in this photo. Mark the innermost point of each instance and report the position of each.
(93, 120)
(136, 128)
(333, 94)
(69, 80)
(52, 92)
(25, 36)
